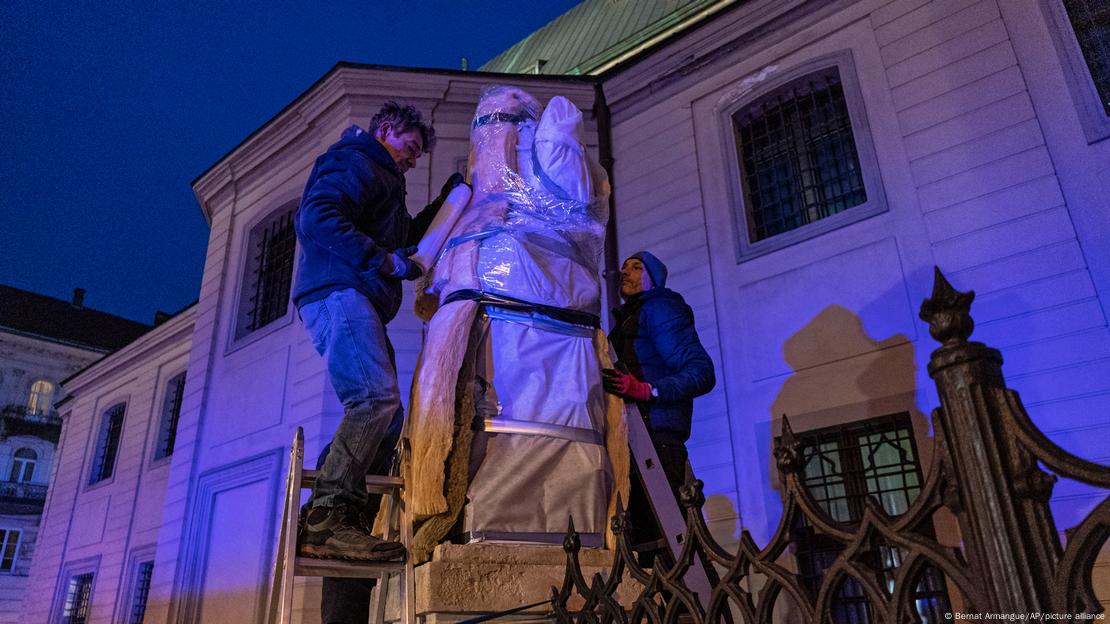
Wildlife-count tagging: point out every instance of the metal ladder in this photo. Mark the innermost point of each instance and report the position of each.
(288, 565)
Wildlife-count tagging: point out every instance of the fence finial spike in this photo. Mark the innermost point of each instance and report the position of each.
(788, 451)
(948, 311)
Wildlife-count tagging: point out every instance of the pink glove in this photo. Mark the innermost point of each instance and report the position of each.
(625, 385)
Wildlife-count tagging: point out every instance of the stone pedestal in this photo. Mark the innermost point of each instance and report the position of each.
(466, 581)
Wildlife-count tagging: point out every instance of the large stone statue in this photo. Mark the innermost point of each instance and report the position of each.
(510, 424)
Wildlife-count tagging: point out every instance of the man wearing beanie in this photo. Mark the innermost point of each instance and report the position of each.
(661, 366)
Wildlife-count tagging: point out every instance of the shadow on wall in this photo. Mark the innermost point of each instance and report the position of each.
(841, 376)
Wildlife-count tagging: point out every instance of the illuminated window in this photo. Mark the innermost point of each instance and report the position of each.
(23, 465)
(843, 466)
(75, 609)
(268, 273)
(107, 443)
(40, 399)
(139, 595)
(9, 549)
(171, 412)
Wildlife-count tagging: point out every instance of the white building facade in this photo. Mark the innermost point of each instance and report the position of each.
(35, 356)
(800, 166)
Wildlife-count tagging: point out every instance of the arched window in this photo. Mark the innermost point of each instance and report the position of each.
(171, 412)
(41, 397)
(268, 274)
(23, 465)
(107, 443)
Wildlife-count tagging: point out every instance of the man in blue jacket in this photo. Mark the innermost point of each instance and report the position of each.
(661, 366)
(355, 237)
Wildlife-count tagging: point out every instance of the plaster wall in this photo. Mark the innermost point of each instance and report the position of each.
(103, 527)
(23, 361)
(985, 170)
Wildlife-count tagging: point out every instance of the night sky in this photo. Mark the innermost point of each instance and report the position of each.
(108, 111)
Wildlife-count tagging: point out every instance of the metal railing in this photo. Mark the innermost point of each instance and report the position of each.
(23, 413)
(13, 489)
(986, 472)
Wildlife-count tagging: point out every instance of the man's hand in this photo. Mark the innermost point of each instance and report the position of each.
(398, 264)
(625, 385)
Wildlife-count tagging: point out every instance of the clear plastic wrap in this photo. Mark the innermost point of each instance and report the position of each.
(550, 443)
(535, 224)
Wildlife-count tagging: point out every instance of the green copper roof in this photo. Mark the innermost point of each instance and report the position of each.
(590, 37)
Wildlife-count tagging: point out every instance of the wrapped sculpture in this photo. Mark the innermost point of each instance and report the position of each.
(508, 416)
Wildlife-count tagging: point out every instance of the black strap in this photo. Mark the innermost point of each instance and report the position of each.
(501, 117)
(573, 317)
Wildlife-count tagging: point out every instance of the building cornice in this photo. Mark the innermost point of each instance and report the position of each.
(332, 95)
(166, 336)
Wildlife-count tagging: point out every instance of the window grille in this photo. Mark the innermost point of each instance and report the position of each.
(23, 465)
(107, 443)
(75, 610)
(171, 413)
(9, 549)
(1090, 19)
(269, 273)
(844, 466)
(142, 590)
(40, 398)
(797, 154)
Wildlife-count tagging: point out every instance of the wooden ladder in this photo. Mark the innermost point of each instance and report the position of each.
(288, 565)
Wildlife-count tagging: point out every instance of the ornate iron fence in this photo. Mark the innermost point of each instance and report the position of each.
(986, 471)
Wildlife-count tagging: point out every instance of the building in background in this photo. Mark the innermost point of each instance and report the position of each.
(800, 167)
(42, 341)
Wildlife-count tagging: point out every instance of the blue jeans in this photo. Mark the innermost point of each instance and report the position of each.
(349, 333)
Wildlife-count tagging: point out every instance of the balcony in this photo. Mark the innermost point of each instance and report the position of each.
(21, 498)
(17, 420)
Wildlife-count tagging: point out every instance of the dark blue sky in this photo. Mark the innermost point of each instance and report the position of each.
(108, 110)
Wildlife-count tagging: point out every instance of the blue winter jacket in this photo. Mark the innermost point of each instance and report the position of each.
(352, 215)
(655, 340)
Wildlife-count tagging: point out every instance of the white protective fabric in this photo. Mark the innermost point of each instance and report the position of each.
(533, 231)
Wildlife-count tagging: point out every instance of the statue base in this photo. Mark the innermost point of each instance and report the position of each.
(464, 581)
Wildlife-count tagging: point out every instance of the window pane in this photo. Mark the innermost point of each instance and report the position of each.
(9, 549)
(844, 466)
(798, 159)
(269, 273)
(107, 443)
(40, 399)
(142, 590)
(171, 413)
(1090, 19)
(76, 607)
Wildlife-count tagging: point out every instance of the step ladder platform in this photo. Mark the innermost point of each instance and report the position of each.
(311, 566)
(375, 484)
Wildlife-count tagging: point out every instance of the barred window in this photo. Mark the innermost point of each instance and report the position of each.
(1090, 20)
(107, 443)
(844, 466)
(23, 465)
(797, 155)
(269, 273)
(9, 549)
(143, 574)
(75, 609)
(171, 413)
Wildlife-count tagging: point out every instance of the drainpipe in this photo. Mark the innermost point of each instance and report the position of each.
(611, 273)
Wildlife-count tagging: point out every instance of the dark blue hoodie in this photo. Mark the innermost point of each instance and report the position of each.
(352, 215)
(655, 340)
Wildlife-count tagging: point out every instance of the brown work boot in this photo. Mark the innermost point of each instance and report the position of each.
(344, 533)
